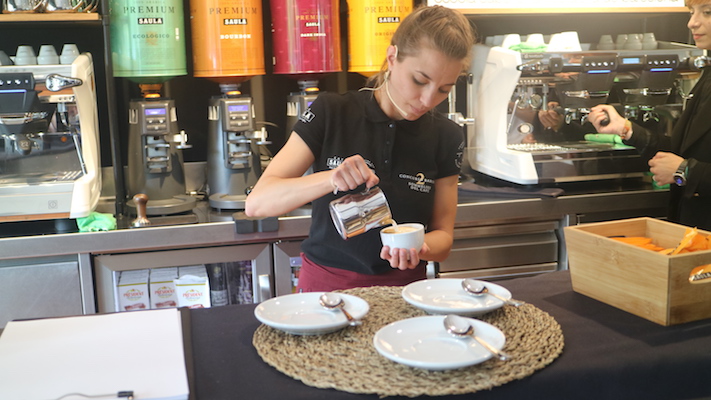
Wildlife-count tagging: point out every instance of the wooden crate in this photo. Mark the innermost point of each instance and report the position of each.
(640, 281)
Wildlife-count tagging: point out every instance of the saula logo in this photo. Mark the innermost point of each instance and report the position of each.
(418, 182)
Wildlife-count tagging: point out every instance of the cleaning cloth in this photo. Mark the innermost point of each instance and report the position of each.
(96, 222)
(529, 47)
(603, 138)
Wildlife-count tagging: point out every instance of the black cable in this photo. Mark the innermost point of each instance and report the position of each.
(123, 394)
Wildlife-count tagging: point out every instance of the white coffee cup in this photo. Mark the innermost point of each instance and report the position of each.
(70, 51)
(47, 55)
(535, 38)
(621, 40)
(404, 236)
(25, 55)
(606, 43)
(634, 41)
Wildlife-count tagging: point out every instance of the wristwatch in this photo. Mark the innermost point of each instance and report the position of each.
(680, 174)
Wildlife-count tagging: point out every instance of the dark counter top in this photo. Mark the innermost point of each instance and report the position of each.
(608, 354)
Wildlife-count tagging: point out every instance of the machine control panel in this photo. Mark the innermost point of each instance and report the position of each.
(649, 62)
(238, 115)
(155, 120)
(17, 81)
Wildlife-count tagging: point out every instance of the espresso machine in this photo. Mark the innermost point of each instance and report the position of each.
(508, 89)
(49, 141)
(645, 83)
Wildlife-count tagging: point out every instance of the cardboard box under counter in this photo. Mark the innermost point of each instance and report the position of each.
(643, 282)
(132, 290)
(162, 287)
(192, 287)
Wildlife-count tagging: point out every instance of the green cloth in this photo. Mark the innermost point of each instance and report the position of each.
(96, 222)
(603, 138)
(529, 48)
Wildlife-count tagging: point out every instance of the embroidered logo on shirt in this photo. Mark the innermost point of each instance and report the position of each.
(418, 182)
(307, 116)
(334, 161)
(459, 156)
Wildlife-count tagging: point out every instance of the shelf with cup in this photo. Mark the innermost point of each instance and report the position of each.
(49, 17)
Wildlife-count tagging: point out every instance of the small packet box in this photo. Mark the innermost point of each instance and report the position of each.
(193, 287)
(162, 287)
(132, 290)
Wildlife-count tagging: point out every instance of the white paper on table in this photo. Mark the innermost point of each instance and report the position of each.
(142, 351)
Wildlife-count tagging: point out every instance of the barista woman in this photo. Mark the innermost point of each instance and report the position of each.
(683, 159)
(387, 135)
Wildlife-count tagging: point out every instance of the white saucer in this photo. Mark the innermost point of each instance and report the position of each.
(423, 342)
(446, 296)
(301, 313)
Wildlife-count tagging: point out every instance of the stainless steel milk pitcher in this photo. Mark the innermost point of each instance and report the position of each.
(357, 213)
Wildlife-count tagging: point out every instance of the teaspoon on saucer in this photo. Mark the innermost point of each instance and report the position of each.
(460, 327)
(477, 288)
(332, 301)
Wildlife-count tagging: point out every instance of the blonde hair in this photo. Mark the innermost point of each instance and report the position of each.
(689, 3)
(437, 27)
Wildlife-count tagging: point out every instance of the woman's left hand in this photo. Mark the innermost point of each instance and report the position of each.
(663, 165)
(403, 258)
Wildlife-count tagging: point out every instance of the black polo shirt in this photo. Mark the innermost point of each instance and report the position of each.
(407, 156)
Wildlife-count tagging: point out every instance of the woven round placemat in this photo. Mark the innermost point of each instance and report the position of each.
(347, 360)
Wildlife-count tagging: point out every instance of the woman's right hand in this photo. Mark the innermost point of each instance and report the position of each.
(606, 119)
(352, 173)
(550, 118)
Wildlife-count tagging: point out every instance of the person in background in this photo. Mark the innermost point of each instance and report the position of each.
(683, 159)
(387, 134)
(551, 127)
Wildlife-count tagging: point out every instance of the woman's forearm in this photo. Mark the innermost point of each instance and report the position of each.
(440, 245)
(274, 196)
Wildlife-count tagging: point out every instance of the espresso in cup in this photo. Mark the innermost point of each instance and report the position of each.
(404, 236)
(400, 229)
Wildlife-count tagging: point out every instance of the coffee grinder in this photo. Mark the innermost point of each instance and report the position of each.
(372, 24)
(155, 159)
(148, 48)
(306, 36)
(228, 48)
(233, 159)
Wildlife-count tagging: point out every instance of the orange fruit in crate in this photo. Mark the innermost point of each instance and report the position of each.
(692, 241)
(634, 240)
